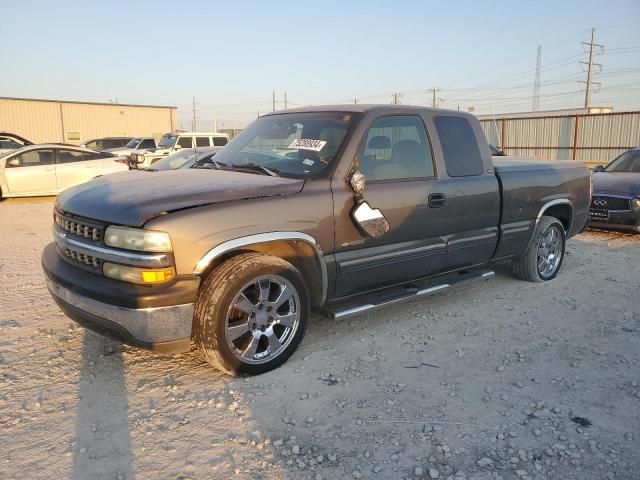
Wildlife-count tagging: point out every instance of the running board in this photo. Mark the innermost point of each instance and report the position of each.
(407, 293)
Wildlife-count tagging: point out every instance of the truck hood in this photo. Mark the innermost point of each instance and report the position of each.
(623, 183)
(134, 197)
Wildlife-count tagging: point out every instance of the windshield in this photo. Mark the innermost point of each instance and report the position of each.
(175, 160)
(290, 144)
(167, 141)
(134, 143)
(627, 162)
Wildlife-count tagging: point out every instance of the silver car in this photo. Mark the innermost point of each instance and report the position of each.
(48, 169)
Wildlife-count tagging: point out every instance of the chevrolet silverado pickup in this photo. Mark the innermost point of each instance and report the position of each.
(341, 209)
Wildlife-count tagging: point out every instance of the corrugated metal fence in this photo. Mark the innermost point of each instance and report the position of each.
(590, 138)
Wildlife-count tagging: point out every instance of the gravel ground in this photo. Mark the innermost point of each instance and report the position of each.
(500, 379)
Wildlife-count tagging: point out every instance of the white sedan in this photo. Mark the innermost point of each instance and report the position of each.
(50, 168)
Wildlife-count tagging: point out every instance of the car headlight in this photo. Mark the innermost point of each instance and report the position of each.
(137, 239)
(144, 276)
(635, 203)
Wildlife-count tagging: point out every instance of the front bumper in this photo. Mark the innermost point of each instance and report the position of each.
(157, 319)
(621, 220)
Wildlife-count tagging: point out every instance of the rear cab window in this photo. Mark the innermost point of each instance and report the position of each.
(462, 155)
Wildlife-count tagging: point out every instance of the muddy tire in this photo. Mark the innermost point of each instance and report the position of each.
(251, 314)
(542, 259)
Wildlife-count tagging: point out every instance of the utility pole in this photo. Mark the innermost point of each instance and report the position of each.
(589, 83)
(355, 100)
(285, 100)
(396, 98)
(273, 101)
(193, 122)
(215, 126)
(434, 100)
(536, 84)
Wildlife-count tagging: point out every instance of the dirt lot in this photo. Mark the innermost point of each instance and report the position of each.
(476, 383)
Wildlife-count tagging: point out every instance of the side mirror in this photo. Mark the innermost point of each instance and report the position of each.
(14, 162)
(599, 168)
(370, 220)
(177, 147)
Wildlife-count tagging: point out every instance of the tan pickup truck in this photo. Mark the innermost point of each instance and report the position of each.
(342, 209)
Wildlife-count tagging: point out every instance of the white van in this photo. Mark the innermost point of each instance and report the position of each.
(172, 142)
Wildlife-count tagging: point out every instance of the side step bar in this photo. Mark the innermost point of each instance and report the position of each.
(340, 312)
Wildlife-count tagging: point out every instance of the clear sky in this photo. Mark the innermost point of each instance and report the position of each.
(231, 55)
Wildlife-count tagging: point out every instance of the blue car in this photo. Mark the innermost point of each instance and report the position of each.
(615, 203)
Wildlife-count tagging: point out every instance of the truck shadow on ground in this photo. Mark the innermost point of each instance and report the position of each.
(102, 444)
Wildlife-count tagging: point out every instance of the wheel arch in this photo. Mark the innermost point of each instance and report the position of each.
(562, 209)
(299, 249)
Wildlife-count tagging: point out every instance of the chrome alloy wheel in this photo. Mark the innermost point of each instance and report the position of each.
(550, 249)
(262, 319)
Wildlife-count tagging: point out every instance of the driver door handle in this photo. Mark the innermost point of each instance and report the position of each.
(437, 200)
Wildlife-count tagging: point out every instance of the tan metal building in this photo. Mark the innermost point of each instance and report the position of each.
(73, 122)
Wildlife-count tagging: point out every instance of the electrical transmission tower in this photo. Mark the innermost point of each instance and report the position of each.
(590, 66)
(536, 84)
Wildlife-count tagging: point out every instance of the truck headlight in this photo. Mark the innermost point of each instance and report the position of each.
(635, 203)
(144, 276)
(137, 239)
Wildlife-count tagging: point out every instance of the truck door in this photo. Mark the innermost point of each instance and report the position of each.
(396, 158)
(471, 191)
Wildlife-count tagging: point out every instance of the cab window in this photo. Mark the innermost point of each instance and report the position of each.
(396, 147)
(202, 142)
(185, 142)
(220, 141)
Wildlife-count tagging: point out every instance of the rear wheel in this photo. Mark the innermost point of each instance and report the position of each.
(543, 257)
(251, 314)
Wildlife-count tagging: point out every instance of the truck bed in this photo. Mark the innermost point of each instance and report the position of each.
(563, 182)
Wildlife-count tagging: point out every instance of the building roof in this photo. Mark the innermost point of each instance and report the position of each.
(85, 103)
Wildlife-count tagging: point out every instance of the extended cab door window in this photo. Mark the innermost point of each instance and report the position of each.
(460, 147)
(31, 172)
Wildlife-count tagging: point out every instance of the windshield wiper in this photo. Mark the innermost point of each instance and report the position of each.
(258, 168)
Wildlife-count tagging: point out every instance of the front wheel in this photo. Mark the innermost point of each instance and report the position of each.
(251, 314)
(543, 257)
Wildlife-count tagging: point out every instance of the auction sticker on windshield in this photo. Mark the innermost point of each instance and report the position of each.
(308, 144)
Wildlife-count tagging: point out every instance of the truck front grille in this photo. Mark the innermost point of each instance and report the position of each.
(604, 202)
(78, 228)
(82, 258)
